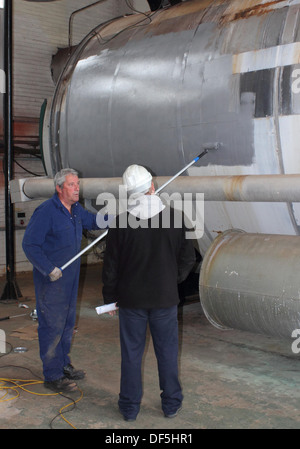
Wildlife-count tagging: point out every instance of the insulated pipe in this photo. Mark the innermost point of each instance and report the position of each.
(251, 282)
(249, 188)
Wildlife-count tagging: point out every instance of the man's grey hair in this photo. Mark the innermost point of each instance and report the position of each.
(60, 176)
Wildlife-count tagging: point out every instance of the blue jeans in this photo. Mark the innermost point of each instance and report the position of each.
(163, 326)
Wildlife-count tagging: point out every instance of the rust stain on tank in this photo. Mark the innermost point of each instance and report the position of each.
(255, 10)
(186, 16)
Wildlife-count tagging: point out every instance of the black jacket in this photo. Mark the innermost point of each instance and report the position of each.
(143, 265)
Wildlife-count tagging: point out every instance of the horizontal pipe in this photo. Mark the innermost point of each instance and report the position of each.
(249, 188)
(245, 188)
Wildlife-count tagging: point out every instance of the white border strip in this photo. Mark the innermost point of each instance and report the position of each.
(266, 58)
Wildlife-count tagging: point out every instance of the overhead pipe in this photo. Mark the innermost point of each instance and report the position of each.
(245, 188)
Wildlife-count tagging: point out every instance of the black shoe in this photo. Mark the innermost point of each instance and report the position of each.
(61, 385)
(172, 415)
(127, 418)
(71, 373)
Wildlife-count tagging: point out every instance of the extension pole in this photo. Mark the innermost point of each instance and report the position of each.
(84, 250)
(181, 171)
(158, 190)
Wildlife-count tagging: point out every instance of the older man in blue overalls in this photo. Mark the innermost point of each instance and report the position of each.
(53, 236)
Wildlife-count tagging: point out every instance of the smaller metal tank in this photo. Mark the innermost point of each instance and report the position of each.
(251, 282)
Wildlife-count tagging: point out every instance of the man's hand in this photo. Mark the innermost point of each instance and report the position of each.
(55, 274)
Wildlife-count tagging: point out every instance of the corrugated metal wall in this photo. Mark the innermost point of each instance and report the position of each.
(39, 30)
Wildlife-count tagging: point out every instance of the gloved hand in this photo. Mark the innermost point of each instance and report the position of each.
(55, 274)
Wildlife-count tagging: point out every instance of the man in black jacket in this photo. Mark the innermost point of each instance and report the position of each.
(147, 255)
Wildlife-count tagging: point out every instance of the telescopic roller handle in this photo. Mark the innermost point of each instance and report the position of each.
(182, 170)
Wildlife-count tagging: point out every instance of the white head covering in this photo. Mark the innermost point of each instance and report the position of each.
(137, 179)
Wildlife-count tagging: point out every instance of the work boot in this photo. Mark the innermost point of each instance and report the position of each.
(71, 373)
(61, 385)
(172, 415)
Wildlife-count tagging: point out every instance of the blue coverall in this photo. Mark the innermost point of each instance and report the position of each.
(52, 237)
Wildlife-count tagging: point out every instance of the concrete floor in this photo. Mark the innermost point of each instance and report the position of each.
(231, 379)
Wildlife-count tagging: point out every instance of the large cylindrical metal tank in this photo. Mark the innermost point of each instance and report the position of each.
(251, 282)
(154, 90)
